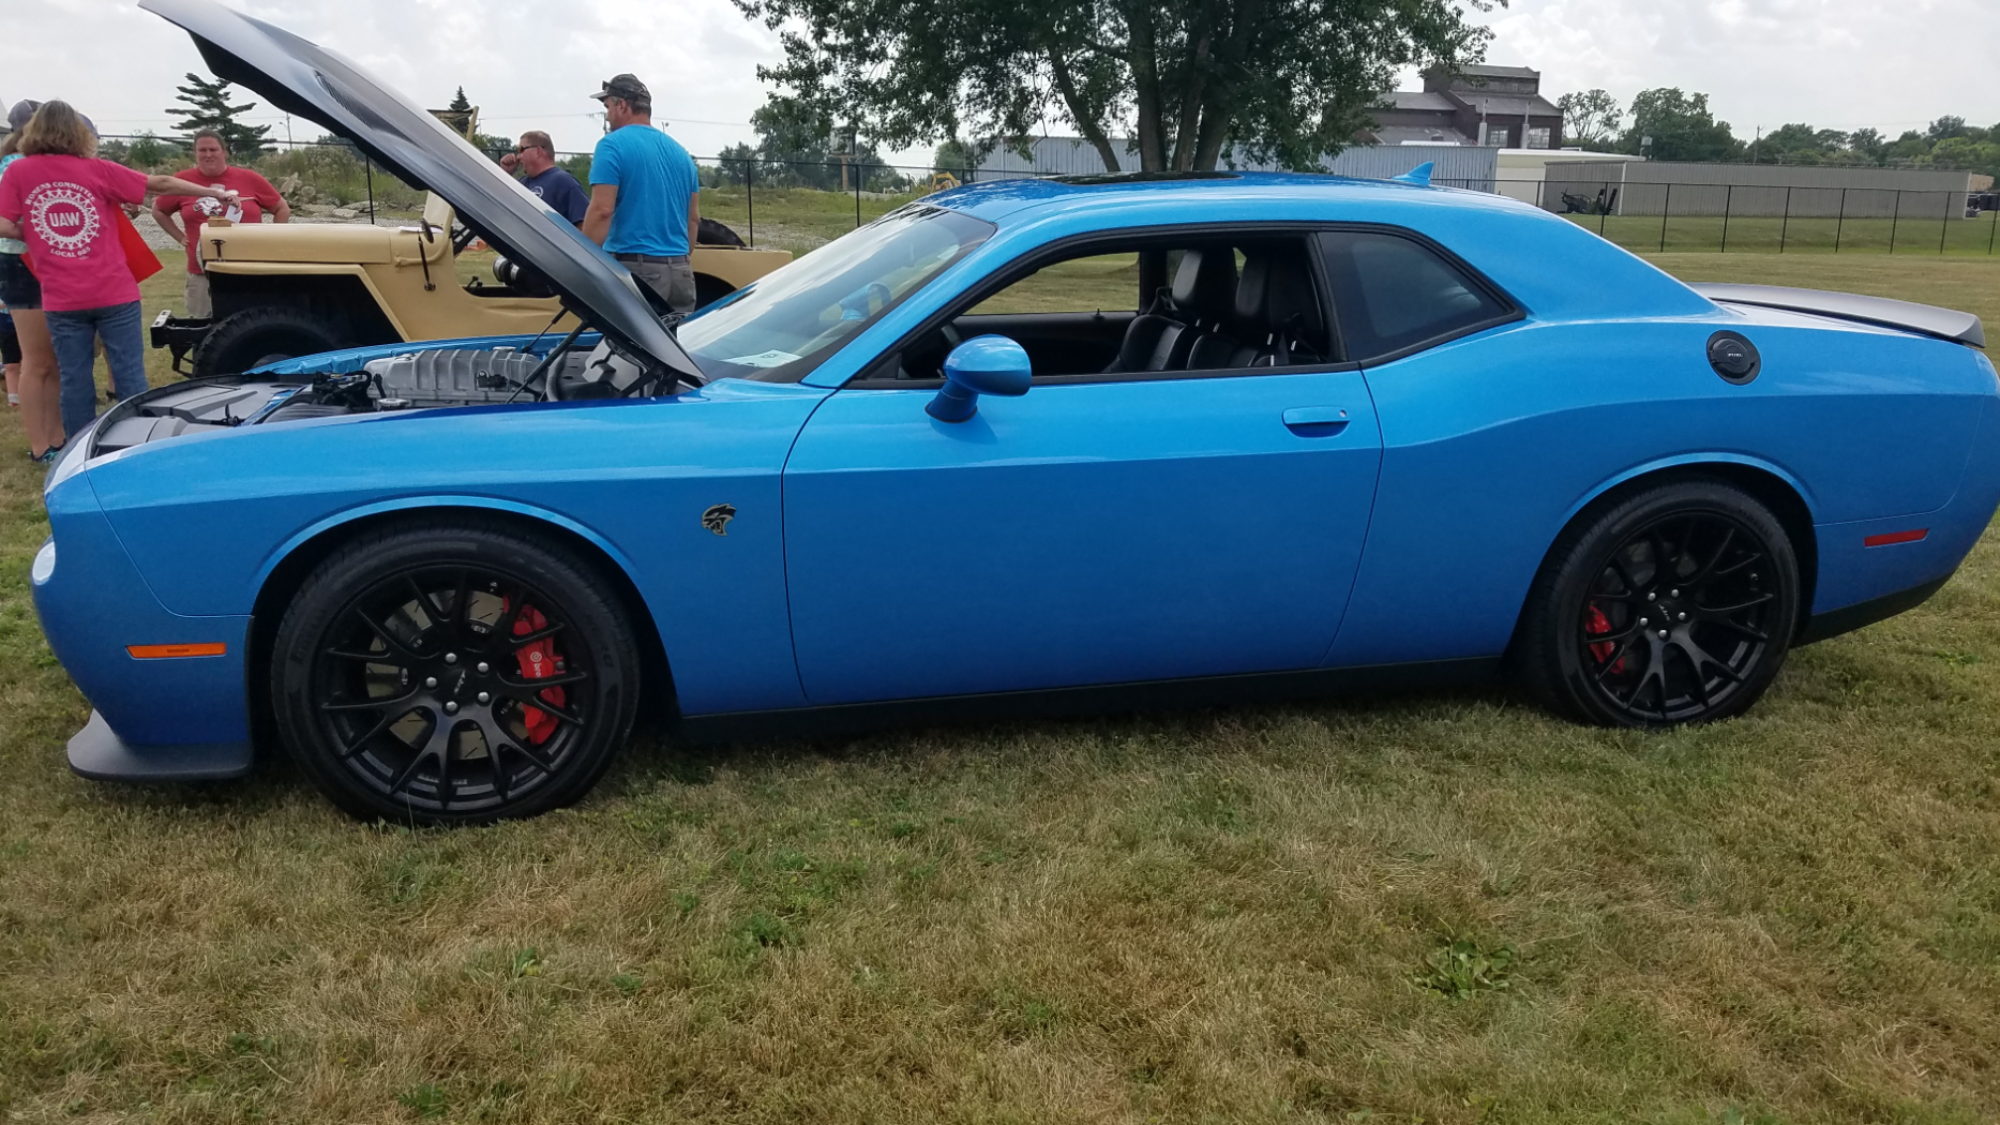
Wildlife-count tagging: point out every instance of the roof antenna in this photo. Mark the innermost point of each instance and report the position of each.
(1420, 175)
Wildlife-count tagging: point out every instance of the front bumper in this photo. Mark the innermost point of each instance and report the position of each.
(156, 719)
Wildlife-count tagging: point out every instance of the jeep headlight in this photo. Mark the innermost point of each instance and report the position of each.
(45, 564)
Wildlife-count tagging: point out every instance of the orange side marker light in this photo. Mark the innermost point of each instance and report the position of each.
(168, 652)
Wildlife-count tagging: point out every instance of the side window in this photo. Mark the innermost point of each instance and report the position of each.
(1392, 293)
(1098, 283)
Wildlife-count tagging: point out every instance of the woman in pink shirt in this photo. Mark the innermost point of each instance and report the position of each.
(63, 201)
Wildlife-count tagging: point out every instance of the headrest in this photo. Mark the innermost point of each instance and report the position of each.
(1277, 292)
(1205, 284)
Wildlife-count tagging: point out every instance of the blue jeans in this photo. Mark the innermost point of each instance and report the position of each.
(73, 333)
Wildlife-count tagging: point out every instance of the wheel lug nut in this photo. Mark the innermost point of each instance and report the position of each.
(484, 668)
(1643, 622)
(485, 698)
(1663, 634)
(451, 658)
(1651, 597)
(1673, 593)
(1684, 617)
(452, 708)
(430, 681)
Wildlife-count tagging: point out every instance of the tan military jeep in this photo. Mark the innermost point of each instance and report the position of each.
(298, 288)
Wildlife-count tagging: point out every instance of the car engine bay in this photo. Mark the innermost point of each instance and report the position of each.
(415, 380)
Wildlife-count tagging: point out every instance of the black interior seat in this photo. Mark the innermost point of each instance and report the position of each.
(1278, 318)
(1160, 338)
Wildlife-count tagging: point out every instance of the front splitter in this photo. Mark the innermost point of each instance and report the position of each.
(96, 752)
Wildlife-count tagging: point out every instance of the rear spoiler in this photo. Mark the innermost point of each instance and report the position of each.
(1927, 320)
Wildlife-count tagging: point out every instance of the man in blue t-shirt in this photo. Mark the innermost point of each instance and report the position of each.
(644, 202)
(536, 159)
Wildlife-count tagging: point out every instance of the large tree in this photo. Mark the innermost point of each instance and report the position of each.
(1680, 127)
(206, 106)
(1288, 80)
(1590, 119)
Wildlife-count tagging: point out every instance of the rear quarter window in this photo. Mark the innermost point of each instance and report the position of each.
(1394, 294)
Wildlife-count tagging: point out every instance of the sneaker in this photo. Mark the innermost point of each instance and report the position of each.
(48, 456)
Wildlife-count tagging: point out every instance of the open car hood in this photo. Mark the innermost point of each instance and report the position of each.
(304, 78)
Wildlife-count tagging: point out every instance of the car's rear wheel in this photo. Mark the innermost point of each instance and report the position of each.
(257, 336)
(453, 674)
(1675, 605)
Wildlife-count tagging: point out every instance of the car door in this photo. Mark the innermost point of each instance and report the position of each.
(1097, 530)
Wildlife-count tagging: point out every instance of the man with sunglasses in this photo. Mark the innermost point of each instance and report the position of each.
(535, 158)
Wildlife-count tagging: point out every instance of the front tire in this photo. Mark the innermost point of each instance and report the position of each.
(1673, 606)
(453, 674)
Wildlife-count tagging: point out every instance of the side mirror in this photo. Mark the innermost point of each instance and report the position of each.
(983, 365)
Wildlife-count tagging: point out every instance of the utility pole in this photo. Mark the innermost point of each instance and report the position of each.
(1754, 142)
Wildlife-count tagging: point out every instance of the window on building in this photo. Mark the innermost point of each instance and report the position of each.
(1539, 138)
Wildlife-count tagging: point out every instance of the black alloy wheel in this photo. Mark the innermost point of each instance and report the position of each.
(1676, 606)
(453, 675)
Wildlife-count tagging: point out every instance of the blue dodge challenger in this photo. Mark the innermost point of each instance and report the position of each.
(1029, 445)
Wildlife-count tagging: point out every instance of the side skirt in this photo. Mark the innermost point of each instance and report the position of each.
(1205, 691)
(1847, 619)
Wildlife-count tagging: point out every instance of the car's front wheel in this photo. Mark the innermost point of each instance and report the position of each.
(453, 673)
(1676, 605)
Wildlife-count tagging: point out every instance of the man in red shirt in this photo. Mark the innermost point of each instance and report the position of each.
(212, 169)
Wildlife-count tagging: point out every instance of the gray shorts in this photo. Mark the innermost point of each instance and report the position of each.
(673, 281)
(198, 303)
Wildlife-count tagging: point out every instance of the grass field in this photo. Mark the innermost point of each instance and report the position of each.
(1437, 908)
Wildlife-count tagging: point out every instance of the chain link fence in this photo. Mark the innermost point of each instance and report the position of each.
(798, 205)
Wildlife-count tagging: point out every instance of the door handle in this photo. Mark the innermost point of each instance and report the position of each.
(1316, 421)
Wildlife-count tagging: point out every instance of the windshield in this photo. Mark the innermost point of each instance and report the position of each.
(787, 323)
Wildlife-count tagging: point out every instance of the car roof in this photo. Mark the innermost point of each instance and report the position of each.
(1002, 202)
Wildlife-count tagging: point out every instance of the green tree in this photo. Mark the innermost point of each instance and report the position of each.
(1590, 119)
(1798, 144)
(1910, 148)
(1288, 80)
(1944, 129)
(1867, 145)
(960, 158)
(207, 107)
(1680, 126)
(460, 103)
(799, 145)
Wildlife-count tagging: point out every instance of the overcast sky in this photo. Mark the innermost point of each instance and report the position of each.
(1834, 63)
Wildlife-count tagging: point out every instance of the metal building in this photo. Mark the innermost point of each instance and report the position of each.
(1765, 190)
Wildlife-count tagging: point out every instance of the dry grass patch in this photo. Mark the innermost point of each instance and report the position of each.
(1288, 913)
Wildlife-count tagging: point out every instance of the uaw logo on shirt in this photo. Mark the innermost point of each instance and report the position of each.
(64, 216)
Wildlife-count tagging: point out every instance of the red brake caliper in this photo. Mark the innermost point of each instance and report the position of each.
(1595, 624)
(538, 661)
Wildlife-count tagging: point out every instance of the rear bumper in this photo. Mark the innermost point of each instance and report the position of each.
(96, 752)
(178, 334)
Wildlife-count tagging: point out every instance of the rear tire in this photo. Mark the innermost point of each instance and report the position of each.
(1675, 605)
(453, 674)
(256, 336)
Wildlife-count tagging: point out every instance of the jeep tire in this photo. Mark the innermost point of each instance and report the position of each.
(265, 334)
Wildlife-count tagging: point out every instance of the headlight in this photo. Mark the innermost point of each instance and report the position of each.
(45, 563)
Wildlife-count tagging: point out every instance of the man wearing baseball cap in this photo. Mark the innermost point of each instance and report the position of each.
(644, 194)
